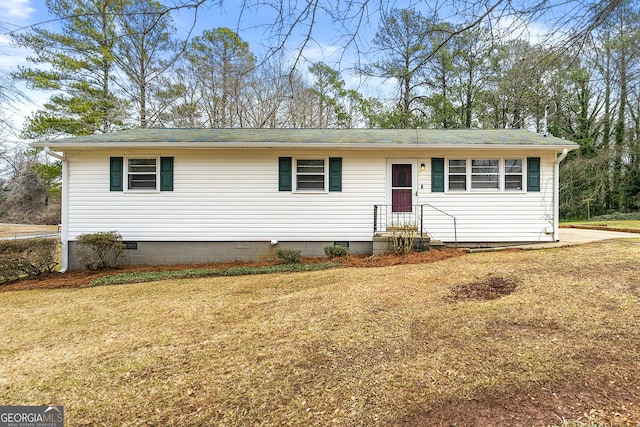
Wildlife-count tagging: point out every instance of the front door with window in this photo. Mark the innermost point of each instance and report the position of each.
(401, 187)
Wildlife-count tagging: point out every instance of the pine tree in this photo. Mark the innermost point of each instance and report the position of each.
(77, 64)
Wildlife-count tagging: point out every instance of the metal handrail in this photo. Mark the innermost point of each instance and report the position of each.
(376, 210)
(455, 221)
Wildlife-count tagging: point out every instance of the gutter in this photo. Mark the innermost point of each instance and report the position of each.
(561, 156)
(64, 232)
(556, 194)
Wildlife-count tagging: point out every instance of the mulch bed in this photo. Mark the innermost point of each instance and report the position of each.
(81, 279)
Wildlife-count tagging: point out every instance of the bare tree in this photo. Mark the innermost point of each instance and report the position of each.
(144, 52)
(295, 25)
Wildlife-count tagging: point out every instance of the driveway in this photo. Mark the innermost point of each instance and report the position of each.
(575, 236)
(569, 237)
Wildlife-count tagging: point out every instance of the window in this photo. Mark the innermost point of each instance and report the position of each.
(485, 174)
(512, 174)
(142, 174)
(310, 175)
(458, 174)
(154, 174)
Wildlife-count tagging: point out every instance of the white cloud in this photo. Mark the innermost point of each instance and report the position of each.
(514, 27)
(320, 52)
(16, 9)
(11, 56)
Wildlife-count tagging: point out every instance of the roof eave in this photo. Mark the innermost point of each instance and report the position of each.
(271, 145)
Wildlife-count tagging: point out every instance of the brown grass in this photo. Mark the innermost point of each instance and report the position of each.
(11, 230)
(348, 347)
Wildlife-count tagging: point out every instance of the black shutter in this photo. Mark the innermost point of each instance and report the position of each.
(284, 173)
(335, 173)
(437, 175)
(166, 173)
(533, 173)
(116, 173)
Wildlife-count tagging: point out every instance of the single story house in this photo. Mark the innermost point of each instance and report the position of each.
(206, 195)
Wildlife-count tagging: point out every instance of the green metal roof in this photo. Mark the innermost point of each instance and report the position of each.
(310, 138)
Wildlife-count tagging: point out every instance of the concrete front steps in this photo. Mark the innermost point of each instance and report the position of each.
(383, 243)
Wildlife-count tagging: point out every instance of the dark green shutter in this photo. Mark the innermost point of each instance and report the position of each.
(284, 173)
(116, 173)
(437, 175)
(533, 173)
(335, 173)
(166, 173)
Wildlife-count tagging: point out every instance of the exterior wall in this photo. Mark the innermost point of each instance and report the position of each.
(226, 195)
(223, 197)
(490, 216)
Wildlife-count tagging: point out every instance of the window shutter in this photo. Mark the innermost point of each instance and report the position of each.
(437, 175)
(116, 173)
(335, 173)
(166, 173)
(284, 173)
(533, 173)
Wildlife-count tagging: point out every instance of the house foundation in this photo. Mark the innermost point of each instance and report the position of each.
(168, 253)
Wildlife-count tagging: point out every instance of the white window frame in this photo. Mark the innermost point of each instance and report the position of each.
(471, 174)
(466, 174)
(521, 174)
(127, 173)
(325, 175)
(501, 175)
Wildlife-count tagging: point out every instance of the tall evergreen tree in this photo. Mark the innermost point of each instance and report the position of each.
(77, 64)
(404, 48)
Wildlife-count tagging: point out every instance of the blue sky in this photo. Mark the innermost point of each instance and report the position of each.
(254, 28)
(18, 15)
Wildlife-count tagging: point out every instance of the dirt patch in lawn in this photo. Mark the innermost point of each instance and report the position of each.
(80, 279)
(487, 289)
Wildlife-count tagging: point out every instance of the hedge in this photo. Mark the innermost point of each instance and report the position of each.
(27, 258)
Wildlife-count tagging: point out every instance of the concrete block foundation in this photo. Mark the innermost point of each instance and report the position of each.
(168, 253)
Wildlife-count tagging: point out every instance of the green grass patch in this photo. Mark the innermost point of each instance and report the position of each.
(154, 276)
(611, 223)
(618, 224)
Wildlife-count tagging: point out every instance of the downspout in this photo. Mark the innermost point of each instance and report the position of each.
(556, 194)
(64, 232)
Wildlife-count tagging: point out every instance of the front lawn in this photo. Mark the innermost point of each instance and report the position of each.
(500, 338)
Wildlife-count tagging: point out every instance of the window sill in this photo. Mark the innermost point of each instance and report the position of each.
(310, 192)
(141, 191)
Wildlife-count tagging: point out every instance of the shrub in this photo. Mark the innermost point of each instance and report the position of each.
(27, 257)
(288, 256)
(618, 216)
(335, 251)
(98, 251)
(403, 239)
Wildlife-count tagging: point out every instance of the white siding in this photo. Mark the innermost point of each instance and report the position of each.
(491, 216)
(226, 195)
(232, 195)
